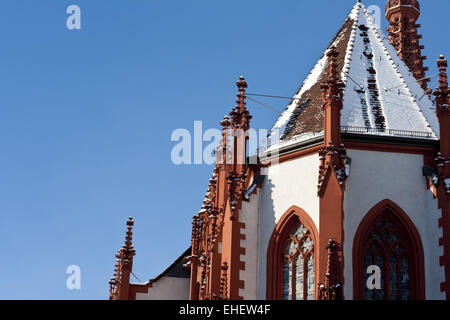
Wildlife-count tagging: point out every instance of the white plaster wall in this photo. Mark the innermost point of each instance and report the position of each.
(375, 176)
(433, 272)
(286, 184)
(167, 288)
(249, 216)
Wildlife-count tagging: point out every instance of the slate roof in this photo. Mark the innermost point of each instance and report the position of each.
(381, 96)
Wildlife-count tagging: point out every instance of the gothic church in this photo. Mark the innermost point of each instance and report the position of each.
(353, 200)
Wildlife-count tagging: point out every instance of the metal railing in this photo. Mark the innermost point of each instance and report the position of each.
(395, 132)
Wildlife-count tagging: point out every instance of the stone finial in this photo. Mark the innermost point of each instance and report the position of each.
(240, 117)
(119, 284)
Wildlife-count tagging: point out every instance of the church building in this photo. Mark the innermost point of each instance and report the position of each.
(351, 202)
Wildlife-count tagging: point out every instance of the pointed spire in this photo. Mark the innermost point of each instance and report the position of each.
(332, 100)
(240, 117)
(240, 124)
(119, 284)
(331, 289)
(333, 84)
(332, 55)
(333, 153)
(331, 264)
(242, 85)
(442, 94)
(442, 99)
(129, 236)
(221, 153)
(402, 16)
(225, 123)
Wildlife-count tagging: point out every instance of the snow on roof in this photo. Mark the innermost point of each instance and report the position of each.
(381, 92)
(381, 96)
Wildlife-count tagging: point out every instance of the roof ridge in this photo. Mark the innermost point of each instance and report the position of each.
(407, 84)
(351, 44)
(309, 80)
(330, 44)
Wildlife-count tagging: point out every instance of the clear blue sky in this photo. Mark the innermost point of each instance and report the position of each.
(86, 119)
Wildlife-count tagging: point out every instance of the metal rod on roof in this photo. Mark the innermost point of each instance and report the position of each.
(431, 88)
(262, 104)
(405, 84)
(136, 277)
(268, 96)
(353, 80)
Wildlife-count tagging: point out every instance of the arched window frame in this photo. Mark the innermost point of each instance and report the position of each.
(359, 249)
(276, 250)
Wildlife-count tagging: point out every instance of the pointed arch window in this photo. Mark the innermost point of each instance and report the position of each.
(298, 276)
(388, 239)
(388, 247)
(291, 258)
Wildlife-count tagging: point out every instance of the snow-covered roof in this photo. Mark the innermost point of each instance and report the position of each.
(381, 96)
